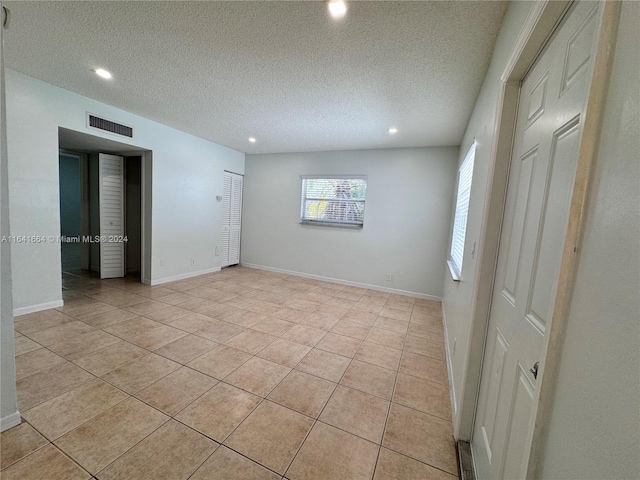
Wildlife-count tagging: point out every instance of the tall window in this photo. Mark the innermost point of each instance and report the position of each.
(333, 200)
(462, 209)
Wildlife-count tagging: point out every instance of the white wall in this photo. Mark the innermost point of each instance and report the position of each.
(406, 225)
(457, 296)
(594, 430)
(187, 176)
(9, 415)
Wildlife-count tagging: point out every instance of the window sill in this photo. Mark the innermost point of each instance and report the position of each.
(331, 224)
(453, 269)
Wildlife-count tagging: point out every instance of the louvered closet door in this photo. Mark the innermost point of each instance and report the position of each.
(236, 219)
(111, 191)
(231, 218)
(226, 218)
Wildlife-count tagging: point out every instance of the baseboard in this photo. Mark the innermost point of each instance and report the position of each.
(452, 386)
(37, 308)
(344, 282)
(10, 421)
(182, 276)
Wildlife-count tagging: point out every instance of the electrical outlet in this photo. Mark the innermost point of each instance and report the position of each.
(193, 261)
(217, 252)
(473, 250)
(162, 262)
(389, 277)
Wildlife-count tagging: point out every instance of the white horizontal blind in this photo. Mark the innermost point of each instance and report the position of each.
(333, 200)
(462, 208)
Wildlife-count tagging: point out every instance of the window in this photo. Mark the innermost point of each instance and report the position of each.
(336, 201)
(462, 208)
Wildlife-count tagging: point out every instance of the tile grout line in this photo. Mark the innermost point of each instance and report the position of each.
(393, 392)
(302, 293)
(317, 419)
(265, 399)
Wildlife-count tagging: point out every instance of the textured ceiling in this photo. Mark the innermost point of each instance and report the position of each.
(283, 72)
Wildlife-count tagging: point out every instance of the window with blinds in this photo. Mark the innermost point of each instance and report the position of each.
(462, 209)
(334, 200)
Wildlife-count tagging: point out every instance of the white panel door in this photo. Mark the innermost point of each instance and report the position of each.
(552, 101)
(231, 218)
(111, 193)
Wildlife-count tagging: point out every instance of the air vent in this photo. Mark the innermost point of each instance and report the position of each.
(109, 126)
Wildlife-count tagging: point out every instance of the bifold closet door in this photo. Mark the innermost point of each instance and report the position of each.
(111, 178)
(231, 218)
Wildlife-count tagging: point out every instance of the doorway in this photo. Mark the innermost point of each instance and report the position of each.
(72, 216)
(133, 215)
(105, 208)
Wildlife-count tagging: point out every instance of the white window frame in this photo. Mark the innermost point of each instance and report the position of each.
(333, 223)
(463, 196)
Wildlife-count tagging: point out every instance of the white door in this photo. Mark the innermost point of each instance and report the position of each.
(231, 218)
(543, 166)
(111, 192)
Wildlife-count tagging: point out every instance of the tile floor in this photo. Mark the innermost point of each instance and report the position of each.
(240, 374)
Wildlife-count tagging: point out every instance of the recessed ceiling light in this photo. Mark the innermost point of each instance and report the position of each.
(101, 72)
(393, 130)
(252, 139)
(337, 8)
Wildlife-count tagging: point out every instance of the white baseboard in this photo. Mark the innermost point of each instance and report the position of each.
(452, 386)
(9, 421)
(344, 282)
(37, 308)
(182, 276)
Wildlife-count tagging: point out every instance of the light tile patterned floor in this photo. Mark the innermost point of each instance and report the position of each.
(241, 374)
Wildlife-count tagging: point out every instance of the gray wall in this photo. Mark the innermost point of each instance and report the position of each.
(406, 225)
(594, 430)
(70, 201)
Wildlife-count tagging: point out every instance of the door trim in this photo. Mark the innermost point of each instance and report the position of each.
(540, 24)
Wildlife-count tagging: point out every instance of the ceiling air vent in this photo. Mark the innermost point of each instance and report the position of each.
(109, 126)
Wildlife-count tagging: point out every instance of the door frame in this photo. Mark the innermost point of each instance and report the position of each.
(146, 198)
(146, 167)
(539, 26)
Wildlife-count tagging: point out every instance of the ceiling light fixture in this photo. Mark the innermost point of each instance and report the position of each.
(101, 72)
(393, 130)
(252, 139)
(337, 8)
